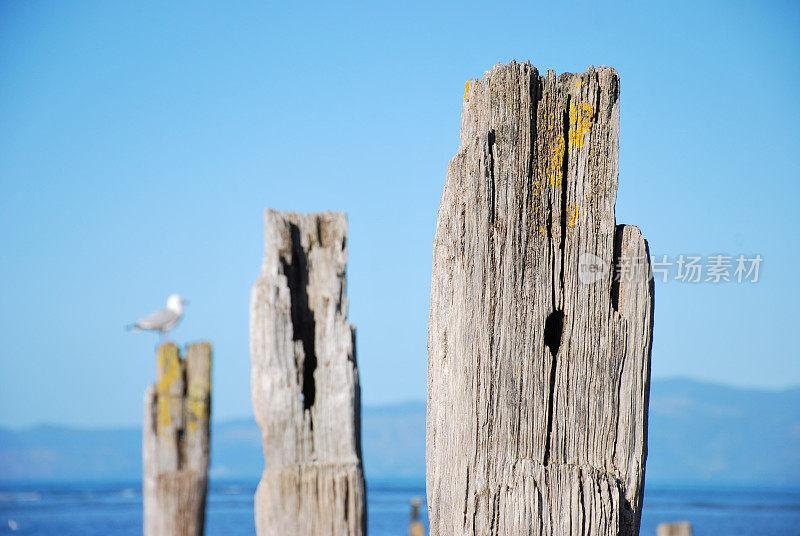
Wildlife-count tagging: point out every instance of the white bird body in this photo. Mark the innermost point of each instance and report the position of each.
(163, 320)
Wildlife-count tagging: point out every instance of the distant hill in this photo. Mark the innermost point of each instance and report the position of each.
(699, 433)
(702, 432)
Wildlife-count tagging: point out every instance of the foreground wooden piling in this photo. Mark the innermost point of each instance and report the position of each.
(539, 361)
(306, 393)
(175, 442)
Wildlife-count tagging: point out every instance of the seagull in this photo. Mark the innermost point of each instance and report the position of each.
(163, 320)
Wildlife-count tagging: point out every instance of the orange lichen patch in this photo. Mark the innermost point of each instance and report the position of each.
(466, 89)
(557, 161)
(579, 118)
(573, 220)
(542, 231)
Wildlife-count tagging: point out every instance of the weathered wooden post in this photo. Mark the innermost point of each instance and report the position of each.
(681, 528)
(304, 382)
(175, 442)
(539, 360)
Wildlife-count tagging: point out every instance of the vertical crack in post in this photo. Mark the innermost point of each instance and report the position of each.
(581, 501)
(490, 175)
(553, 328)
(564, 170)
(615, 267)
(357, 394)
(466, 498)
(303, 323)
(346, 501)
(554, 324)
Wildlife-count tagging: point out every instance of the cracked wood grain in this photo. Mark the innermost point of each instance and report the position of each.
(304, 381)
(538, 378)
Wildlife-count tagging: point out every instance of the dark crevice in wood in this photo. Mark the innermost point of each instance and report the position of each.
(627, 518)
(495, 513)
(179, 447)
(615, 267)
(466, 497)
(553, 329)
(319, 233)
(539, 501)
(490, 175)
(554, 325)
(581, 502)
(356, 397)
(564, 170)
(303, 323)
(554, 293)
(346, 500)
(492, 294)
(153, 410)
(533, 158)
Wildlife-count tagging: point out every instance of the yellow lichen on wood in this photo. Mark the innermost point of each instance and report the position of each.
(573, 220)
(169, 371)
(197, 409)
(579, 118)
(466, 89)
(197, 402)
(198, 377)
(537, 187)
(557, 161)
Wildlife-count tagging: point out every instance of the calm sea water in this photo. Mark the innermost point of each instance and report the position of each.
(114, 509)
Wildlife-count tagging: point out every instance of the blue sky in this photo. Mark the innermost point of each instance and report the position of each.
(140, 142)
